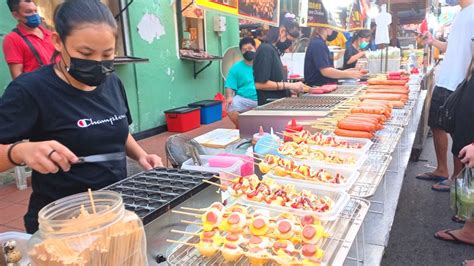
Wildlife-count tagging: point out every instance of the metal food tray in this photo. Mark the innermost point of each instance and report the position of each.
(386, 140)
(303, 104)
(152, 193)
(342, 90)
(371, 174)
(343, 232)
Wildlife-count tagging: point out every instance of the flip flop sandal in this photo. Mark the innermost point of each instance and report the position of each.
(453, 239)
(431, 177)
(458, 220)
(443, 186)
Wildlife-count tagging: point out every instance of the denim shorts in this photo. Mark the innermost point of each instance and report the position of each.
(241, 104)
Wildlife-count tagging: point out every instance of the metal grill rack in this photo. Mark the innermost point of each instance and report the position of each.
(152, 193)
(343, 232)
(303, 104)
(400, 117)
(386, 140)
(371, 174)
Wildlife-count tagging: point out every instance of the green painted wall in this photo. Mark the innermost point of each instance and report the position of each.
(7, 23)
(165, 82)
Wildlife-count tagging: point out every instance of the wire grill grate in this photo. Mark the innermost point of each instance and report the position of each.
(343, 232)
(386, 140)
(303, 104)
(371, 174)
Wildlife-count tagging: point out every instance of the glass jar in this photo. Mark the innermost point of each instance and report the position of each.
(73, 231)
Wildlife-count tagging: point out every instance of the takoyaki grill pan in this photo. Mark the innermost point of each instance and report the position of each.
(152, 193)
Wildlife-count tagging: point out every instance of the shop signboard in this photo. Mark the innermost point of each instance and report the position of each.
(350, 15)
(259, 11)
(357, 16)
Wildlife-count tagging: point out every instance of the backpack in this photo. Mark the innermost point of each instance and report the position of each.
(447, 112)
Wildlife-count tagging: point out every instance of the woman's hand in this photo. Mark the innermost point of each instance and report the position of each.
(467, 156)
(46, 157)
(150, 161)
(296, 87)
(353, 73)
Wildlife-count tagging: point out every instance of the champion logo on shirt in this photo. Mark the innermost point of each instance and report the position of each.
(88, 122)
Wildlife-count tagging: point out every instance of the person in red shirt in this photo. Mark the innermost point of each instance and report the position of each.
(29, 45)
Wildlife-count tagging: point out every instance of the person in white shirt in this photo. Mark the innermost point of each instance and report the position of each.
(451, 73)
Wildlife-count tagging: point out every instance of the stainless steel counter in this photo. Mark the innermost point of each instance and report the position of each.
(377, 225)
(427, 84)
(159, 230)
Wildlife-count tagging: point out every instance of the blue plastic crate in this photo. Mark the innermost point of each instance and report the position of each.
(211, 111)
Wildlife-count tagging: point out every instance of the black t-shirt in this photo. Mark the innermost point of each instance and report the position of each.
(267, 66)
(350, 52)
(39, 106)
(317, 57)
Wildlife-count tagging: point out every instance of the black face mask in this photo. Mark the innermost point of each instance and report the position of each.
(283, 46)
(332, 37)
(249, 55)
(90, 72)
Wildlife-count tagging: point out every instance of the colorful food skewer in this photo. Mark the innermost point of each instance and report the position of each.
(280, 245)
(320, 139)
(306, 152)
(286, 167)
(271, 193)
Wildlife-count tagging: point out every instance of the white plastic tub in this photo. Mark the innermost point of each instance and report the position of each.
(340, 199)
(377, 67)
(359, 160)
(231, 171)
(21, 243)
(349, 174)
(226, 173)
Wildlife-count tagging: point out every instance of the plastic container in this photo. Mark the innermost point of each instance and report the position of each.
(260, 134)
(267, 145)
(366, 144)
(21, 240)
(377, 67)
(183, 119)
(359, 160)
(226, 172)
(211, 111)
(72, 233)
(229, 172)
(340, 199)
(292, 128)
(349, 174)
(247, 166)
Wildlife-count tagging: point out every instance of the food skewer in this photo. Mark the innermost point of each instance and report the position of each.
(183, 232)
(190, 222)
(214, 184)
(186, 213)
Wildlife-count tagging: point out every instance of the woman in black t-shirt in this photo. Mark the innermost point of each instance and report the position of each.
(76, 107)
(360, 43)
(267, 67)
